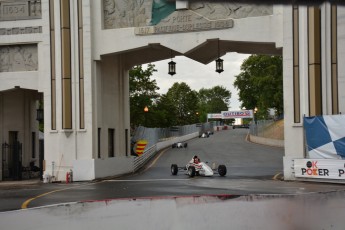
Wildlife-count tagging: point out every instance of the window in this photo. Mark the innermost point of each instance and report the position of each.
(111, 142)
(33, 145)
(99, 143)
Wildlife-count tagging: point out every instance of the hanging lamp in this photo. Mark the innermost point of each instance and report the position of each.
(172, 66)
(219, 62)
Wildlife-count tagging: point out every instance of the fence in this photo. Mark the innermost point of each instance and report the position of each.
(155, 135)
(145, 157)
(158, 135)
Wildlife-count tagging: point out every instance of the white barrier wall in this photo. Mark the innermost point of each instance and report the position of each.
(90, 169)
(204, 212)
(167, 143)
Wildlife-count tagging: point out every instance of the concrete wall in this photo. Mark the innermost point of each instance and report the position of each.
(168, 143)
(90, 169)
(266, 141)
(294, 133)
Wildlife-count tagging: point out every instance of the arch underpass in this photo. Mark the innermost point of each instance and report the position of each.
(93, 44)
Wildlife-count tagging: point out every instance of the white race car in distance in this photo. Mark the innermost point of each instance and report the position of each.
(179, 145)
(200, 169)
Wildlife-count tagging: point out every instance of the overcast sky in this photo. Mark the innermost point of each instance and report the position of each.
(198, 75)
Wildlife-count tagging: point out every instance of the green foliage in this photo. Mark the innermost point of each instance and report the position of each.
(260, 84)
(142, 92)
(183, 104)
(213, 100)
(179, 106)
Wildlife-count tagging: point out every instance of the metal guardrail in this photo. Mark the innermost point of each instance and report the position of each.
(156, 135)
(140, 161)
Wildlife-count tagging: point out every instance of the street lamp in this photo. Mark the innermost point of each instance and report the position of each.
(146, 110)
(255, 111)
(39, 115)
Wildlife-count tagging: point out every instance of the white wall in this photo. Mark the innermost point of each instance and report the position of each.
(341, 57)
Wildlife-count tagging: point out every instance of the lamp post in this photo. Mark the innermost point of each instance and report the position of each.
(146, 110)
(255, 111)
(255, 121)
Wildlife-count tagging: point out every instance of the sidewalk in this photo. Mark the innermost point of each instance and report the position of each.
(19, 183)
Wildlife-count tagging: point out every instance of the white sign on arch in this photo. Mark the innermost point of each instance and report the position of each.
(231, 114)
(237, 114)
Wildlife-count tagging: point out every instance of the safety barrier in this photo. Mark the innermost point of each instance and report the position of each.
(138, 162)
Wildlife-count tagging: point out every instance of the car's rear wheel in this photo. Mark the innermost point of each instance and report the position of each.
(174, 169)
(222, 170)
(191, 171)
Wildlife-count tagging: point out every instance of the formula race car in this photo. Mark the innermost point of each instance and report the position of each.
(198, 169)
(206, 134)
(179, 145)
(203, 135)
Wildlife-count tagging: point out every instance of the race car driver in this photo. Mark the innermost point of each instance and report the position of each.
(195, 160)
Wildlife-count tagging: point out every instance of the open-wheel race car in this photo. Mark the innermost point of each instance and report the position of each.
(205, 134)
(179, 145)
(197, 168)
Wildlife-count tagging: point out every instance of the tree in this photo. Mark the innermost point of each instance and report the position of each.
(213, 100)
(142, 92)
(183, 104)
(260, 84)
(166, 113)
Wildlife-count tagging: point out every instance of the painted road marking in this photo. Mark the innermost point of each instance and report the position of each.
(26, 203)
(155, 160)
(276, 176)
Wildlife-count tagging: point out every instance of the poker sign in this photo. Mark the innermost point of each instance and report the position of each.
(320, 168)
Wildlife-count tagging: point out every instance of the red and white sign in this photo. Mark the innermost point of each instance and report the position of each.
(320, 168)
(237, 114)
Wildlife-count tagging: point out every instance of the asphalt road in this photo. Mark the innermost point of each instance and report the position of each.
(251, 170)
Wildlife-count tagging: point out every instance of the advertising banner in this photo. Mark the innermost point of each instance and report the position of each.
(325, 136)
(237, 114)
(320, 168)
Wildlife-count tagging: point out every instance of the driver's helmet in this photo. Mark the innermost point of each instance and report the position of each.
(196, 159)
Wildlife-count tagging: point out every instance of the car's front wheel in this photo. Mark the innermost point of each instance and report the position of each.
(174, 169)
(191, 171)
(222, 170)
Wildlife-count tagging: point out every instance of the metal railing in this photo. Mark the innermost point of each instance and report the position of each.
(140, 161)
(155, 135)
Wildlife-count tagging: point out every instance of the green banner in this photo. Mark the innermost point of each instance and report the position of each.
(161, 9)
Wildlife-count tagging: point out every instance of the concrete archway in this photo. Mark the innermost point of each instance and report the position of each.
(93, 43)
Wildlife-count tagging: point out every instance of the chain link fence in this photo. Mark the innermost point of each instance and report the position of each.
(155, 135)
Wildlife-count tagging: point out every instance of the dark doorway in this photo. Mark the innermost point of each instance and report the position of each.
(12, 158)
